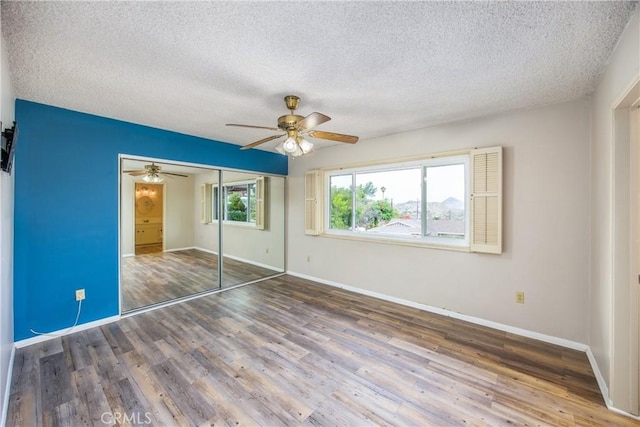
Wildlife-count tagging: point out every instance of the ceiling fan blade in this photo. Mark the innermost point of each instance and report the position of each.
(262, 141)
(312, 120)
(174, 174)
(251, 126)
(136, 173)
(349, 139)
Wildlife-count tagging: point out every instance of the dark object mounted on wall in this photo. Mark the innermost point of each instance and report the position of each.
(9, 139)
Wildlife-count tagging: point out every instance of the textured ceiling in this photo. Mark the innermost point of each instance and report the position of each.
(376, 68)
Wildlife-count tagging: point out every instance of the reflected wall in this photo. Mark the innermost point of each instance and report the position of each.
(251, 251)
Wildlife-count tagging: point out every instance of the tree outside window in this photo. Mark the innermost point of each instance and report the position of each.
(238, 203)
(392, 201)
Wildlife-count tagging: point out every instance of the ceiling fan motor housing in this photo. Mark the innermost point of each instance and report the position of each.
(152, 168)
(289, 121)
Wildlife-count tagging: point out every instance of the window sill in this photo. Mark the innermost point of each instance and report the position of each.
(249, 225)
(398, 241)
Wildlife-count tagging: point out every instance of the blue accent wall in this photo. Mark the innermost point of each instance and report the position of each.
(66, 206)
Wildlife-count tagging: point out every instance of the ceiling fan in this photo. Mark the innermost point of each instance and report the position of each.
(295, 127)
(152, 173)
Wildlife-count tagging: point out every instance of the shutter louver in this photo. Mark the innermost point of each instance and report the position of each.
(486, 200)
(260, 202)
(204, 198)
(312, 203)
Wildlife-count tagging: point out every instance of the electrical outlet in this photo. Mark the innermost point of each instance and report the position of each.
(79, 294)
(520, 297)
(267, 250)
(308, 258)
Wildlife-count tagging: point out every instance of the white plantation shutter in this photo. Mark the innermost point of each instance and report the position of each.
(486, 200)
(205, 203)
(260, 202)
(313, 202)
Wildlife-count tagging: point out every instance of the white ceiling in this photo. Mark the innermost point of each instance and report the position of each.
(376, 68)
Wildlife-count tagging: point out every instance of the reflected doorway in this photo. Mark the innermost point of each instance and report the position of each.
(149, 217)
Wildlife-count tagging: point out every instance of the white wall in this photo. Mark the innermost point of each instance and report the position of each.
(623, 69)
(262, 247)
(546, 225)
(205, 236)
(7, 114)
(179, 213)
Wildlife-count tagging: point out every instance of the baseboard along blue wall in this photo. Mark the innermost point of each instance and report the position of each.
(66, 206)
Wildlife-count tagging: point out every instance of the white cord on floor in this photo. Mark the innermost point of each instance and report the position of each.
(59, 334)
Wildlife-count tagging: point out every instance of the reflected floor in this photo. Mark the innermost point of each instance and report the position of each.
(148, 249)
(157, 277)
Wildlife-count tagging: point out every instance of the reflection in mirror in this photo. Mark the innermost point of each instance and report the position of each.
(159, 261)
(252, 209)
(170, 230)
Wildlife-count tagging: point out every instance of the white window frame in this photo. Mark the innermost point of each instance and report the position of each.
(318, 204)
(421, 165)
(208, 200)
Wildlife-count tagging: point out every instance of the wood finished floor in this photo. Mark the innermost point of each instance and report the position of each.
(148, 249)
(155, 277)
(291, 352)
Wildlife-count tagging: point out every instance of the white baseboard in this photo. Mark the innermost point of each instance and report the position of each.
(66, 331)
(448, 313)
(602, 384)
(209, 251)
(621, 412)
(604, 390)
(128, 255)
(7, 387)
(247, 261)
(257, 264)
(180, 249)
(495, 325)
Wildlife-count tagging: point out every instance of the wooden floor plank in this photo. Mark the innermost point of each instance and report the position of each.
(152, 276)
(289, 351)
(55, 380)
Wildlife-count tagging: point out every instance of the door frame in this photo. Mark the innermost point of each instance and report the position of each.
(135, 212)
(624, 383)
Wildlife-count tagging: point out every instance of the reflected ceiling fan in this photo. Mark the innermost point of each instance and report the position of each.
(152, 173)
(295, 128)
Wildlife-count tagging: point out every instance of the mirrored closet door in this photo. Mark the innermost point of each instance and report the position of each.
(252, 207)
(173, 219)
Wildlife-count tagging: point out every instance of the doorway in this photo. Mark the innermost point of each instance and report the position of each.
(634, 139)
(149, 218)
(624, 381)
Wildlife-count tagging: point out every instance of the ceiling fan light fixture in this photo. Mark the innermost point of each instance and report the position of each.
(305, 145)
(152, 178)
(297, 153)
(295, 125)
(290, 145)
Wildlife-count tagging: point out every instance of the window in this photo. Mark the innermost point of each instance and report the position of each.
(424, 200)
(443, 200)
(241, 202)
(238, 202)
